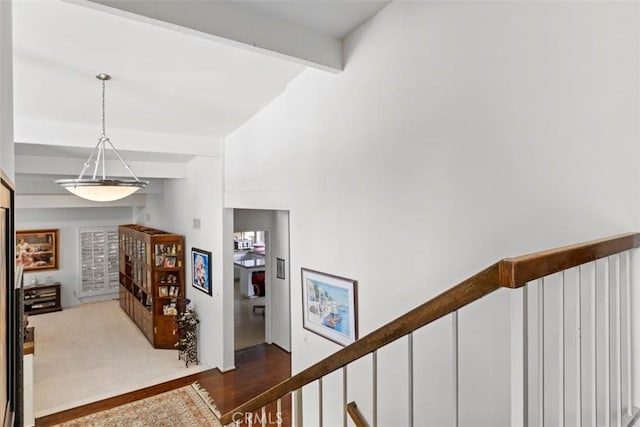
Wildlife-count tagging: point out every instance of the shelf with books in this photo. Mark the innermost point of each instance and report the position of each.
(42, 299)
(151, 280)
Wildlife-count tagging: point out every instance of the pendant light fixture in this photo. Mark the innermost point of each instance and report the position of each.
(102, 189)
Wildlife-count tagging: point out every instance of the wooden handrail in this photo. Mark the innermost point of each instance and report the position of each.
(509, 273)
(356, 416)
(516, 272)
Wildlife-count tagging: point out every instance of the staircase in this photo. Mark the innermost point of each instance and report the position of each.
(570, 350)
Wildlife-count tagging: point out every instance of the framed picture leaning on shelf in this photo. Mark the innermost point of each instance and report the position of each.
(201, 270)
(37, 250)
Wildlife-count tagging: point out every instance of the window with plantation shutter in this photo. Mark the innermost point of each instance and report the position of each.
(98, 261)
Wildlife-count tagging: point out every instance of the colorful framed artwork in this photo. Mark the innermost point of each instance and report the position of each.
(37, 250)
(330, 306)
(201, 270)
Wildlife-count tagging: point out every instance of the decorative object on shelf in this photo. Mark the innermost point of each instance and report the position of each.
(187, 324)
(102, 189)
(37, 250)
(165, 256)
(330, 306)
(280, 268)
(201, 270)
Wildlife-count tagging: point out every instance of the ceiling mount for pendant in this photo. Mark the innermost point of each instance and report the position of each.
(102, 189)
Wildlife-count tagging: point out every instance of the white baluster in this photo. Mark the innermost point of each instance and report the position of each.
(541, 352)
(561, 346)
(579, 349)
(320, 402)
(605, 342)
(410, 379)
(594, 353)
(520, 357)
(615, 350)
(279, 412)
(456, 364)
(344, 396)
(297, 402)
(626, 347)
(374, 363)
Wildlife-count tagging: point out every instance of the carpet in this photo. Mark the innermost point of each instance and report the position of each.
(186, 406)
(100, 354)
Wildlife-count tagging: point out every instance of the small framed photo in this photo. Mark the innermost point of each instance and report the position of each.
(37, 250)
(163, 291)
(330, 306)
(201, 270)
(280, 268)
(169, 262)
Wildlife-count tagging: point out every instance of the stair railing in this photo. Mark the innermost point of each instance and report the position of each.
(511, 273)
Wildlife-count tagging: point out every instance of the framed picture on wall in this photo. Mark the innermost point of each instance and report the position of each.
(37, 250)
(330, 306)
(280, 268)
(201, 270)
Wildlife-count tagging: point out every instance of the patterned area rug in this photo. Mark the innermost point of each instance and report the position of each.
(186, 406)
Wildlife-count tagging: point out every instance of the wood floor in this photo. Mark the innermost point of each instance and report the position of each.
(257, 369)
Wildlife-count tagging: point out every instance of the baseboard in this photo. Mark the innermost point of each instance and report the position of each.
(281, 348)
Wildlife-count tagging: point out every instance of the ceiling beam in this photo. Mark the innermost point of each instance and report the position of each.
(71, 201)
(31, 131)
(46, 165)
(230, 24)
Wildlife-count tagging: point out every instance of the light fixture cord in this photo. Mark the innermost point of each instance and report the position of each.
(101, 147)
(103, 115)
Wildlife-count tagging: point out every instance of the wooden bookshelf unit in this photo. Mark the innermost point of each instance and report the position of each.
(152, 281)
(42, 299)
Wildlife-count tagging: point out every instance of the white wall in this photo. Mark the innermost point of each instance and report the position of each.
(459, 133)
(6, 91)
(280, 288)
(276, 223)
(69, 221)
(198, 196)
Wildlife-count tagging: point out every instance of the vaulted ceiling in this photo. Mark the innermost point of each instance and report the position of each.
(185, 73)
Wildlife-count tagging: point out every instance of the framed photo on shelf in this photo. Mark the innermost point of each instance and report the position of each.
(163, 291)
(37, 250)
(169, 262)
(280, 268)
(201, 270)
(330, 306)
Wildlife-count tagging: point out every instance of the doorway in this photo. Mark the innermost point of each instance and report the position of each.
(250, 272)
(261, 278)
